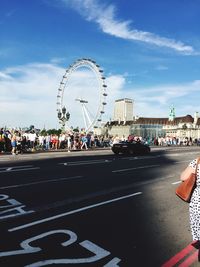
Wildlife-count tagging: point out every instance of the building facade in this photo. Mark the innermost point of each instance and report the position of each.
(178, 127)
(123, 110)
(124, 124)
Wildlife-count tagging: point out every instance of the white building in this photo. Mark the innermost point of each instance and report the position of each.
(123, 110)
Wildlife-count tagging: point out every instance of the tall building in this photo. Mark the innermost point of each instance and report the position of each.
(123, 110)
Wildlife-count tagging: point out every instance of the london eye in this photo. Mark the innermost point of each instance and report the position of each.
(85, 99)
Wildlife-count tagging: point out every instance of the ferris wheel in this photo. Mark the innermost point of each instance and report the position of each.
(91, 102)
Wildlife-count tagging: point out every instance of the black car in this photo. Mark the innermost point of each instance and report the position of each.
(131, 148)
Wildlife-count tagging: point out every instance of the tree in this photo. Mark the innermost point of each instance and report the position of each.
(43, 132)
(54, 131)
(76, 129)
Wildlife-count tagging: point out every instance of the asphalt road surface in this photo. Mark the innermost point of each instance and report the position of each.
(93, 208)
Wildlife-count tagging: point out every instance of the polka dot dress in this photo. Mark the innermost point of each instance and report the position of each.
(194, 207)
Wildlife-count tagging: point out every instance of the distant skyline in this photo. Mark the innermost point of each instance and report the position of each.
(149, 51)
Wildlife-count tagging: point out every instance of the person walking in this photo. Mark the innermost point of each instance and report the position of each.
(84, 142)
(194, 206)
(14, 144)
(47, 141)
(2, 141)
(69, 146)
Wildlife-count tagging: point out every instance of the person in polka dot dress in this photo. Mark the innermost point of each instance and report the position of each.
(194, 206)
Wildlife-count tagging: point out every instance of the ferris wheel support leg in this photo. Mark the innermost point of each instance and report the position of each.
(87, 115)
(84, 117)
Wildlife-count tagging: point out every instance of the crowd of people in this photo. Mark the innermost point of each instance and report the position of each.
(18, 141)
(181, 141)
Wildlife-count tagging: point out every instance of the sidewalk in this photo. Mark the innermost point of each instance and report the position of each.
(57, 150)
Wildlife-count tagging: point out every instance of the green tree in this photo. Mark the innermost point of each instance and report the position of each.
(76, 129)
(54, 131)
(43, 132)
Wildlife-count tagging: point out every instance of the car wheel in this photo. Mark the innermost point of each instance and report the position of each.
(116, 152)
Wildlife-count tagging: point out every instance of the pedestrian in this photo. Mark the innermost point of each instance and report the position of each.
(84, 142)
(47, 141)
(2, 141)
(14, 144)
(69, 146)
(194, 206)
(32, 138)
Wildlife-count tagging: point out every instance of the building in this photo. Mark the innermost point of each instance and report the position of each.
(174, 127)
(182, 127)
(124, 124)
(123, 110)
(145, 127)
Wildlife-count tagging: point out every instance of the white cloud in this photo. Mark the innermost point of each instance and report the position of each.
(156, 101)
(28, 96)
(105, 16)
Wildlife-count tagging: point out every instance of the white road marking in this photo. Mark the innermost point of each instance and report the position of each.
(71, 212)
(145, 157)
(41, 182)
(73, 163)
(96, 253)
(16, 209)
(158, 156)
(136, 168)
(25, 166)
(177, 182)
(13, 208)
(17, 170)
(183, 161)
(113, 263)
(12, 202)
(28, 249)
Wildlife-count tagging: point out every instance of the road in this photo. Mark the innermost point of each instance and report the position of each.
(92, 208)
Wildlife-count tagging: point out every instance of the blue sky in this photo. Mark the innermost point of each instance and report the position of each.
(149, 51)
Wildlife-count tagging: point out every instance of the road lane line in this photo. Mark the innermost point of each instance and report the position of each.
(177, 182)
(182, 161)
(41, 182)
(136, 168)
(25, 166)
(179, 256)
(17, 170)
(158, 156)
(74, 163)
(72, 212)
(145, 157)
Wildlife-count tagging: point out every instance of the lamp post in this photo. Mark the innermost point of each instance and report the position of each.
(63, 117)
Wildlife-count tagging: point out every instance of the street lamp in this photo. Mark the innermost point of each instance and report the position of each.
(63, 117)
